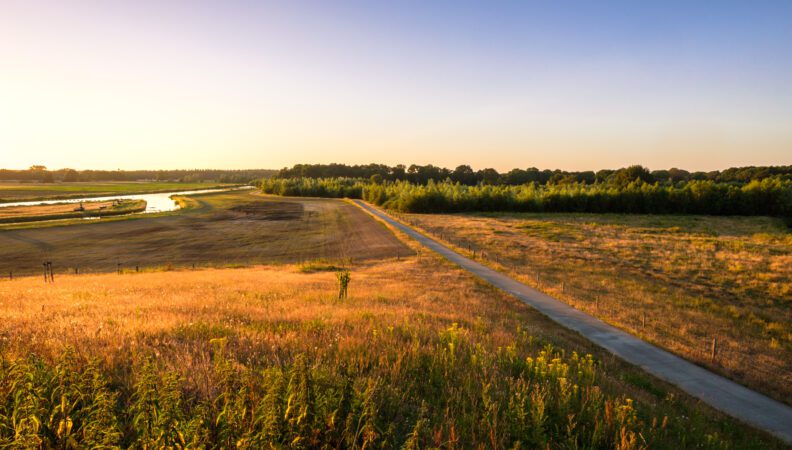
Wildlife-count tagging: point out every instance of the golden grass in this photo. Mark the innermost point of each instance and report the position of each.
(679, 281)
(104, 314)
(268, 315)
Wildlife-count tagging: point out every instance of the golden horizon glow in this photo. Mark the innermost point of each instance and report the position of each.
(150, 86)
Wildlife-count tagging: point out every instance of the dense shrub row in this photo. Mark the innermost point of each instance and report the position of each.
(465, 174)
(771, 196)
(314, 187)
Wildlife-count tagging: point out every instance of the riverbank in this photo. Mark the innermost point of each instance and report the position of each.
(59, 211)
(32, 192)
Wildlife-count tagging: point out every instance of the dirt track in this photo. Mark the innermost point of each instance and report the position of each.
(227, 228)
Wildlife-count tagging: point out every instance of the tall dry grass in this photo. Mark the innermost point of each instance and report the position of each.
(678, 281)
(419, 355)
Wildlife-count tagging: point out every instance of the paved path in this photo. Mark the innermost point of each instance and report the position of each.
(723, 394)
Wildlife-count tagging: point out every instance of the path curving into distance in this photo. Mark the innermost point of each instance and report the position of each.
(723, 394)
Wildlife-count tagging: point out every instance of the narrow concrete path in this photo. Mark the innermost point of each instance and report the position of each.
(723, 394)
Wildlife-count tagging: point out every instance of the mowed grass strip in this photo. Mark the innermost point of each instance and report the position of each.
(420, 355)
(679, 281)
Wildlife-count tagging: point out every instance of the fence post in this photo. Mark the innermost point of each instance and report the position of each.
(563, 287)
(643, 319)
(714, 349)
(51, 272)
(118, 267)
(10, 274)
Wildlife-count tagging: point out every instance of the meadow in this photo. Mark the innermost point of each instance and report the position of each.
(18, 192)
(686, 283)
(215, 229)
(420, 355)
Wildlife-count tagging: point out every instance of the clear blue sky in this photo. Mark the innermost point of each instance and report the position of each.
(233, 84)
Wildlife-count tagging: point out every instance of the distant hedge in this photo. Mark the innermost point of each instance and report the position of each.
(465, 174)
(770, 196)
(314, 187)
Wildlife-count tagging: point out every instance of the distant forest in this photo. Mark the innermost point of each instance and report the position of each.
(40, 174)
(635, 189)
(466, 175)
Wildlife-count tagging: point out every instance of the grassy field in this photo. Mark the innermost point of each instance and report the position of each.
(678, 281)
(224, 228)
(420, 355)
(16, 214)
(18, 192)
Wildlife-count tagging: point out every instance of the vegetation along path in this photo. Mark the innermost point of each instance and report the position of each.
(721, 393)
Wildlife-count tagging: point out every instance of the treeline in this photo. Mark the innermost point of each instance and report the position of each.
(40, 174)
(467, 176)
(769, 196)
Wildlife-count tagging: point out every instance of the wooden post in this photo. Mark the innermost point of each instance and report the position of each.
(118, 267)
(714, 349)
(76, 270)
(137, 268)
(10, 275)
(563, 287)
(643, 319)
(46, 278)
(538, 281)
(51, 273)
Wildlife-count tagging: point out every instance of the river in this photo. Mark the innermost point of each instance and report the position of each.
(155, 202)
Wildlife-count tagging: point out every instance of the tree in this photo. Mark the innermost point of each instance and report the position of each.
(515, 177)
(464, 174)
(70, 175)
(627, 175)
(490, 176)
(603, 175)
(399, 172)
(376, 179)
(677, 175)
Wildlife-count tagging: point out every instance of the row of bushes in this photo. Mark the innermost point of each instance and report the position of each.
(771, 196)
(467, 175)
(314, 187)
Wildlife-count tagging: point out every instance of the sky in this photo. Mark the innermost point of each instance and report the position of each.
(575, 85)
